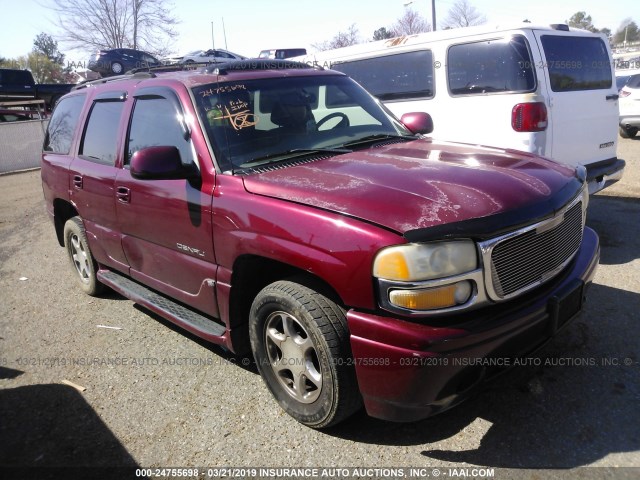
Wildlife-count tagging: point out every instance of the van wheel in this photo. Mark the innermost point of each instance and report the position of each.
(301, 346)
(82, 261)
(628, 132)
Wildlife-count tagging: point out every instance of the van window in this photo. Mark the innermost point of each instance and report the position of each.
(501, 65)
(392, 77)
(63, 124)
(577, 63)
(100, 141)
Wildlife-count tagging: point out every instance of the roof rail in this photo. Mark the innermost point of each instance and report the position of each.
(126, 76)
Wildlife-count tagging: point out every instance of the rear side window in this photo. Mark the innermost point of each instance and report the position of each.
(100, 141)
(494, 66)
(63, 124)
(405, 75)
(577, 63)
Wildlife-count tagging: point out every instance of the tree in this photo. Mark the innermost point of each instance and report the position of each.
(341, 39)
(96, 24)
(463, 14)
(382, 34)
(44, 44)
(581, 20)
(410, 24)
(628, 31)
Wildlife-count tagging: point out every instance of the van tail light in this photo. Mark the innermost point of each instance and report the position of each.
(529, 117)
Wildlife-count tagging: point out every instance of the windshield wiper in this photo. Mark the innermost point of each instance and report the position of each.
(377, 138)
(289, 154)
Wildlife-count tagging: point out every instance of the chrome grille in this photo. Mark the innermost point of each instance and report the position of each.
(528, 258)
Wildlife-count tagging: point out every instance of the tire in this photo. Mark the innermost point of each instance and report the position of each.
(80, 257)
(301, 346)
(116, 68)
(628, 132)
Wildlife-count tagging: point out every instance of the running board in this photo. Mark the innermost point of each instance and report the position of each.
(196, 323)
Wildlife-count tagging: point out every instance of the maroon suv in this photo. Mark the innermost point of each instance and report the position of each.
(281, 210)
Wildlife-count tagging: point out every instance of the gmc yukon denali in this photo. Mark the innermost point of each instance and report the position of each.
(279, 210)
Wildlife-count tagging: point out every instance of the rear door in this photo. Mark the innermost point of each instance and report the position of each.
(583, 101)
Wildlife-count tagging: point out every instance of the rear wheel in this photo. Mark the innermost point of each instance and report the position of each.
(117, 68)
(628, 132)
(82, 261)
(301, 345)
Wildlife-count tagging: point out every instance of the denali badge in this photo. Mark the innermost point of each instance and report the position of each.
(188, 249)
(606, 145)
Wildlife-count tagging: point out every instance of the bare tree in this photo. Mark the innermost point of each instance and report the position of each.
(463, 14)
(139, 24)
(410, 23)
(341, 39)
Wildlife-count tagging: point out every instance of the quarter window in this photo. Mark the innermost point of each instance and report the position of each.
(62, 124)
(404, 75)
(494, 66)
(100, 141)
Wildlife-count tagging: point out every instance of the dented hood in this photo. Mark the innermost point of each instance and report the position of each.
(420, 184)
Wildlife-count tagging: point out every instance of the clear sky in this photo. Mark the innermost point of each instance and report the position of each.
(254, 25)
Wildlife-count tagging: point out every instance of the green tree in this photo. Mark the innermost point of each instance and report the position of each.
(628, 31)
(44, 44)
(581, 20)
(382, 34)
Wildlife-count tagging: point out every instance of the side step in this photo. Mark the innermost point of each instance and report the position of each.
(196, 323)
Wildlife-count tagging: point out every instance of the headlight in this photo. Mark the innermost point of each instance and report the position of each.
(416, 262)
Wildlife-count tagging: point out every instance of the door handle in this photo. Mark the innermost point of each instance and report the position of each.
(123, 194)
(77, 181)
(613, 96)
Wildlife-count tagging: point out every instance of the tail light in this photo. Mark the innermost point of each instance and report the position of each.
(624, 93)
(529, 117)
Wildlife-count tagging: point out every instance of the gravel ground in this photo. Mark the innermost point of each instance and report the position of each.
(157, 397)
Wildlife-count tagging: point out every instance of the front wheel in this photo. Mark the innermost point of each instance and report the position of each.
(82, 261)
(116, 68)
(301, 346)
(628, 132)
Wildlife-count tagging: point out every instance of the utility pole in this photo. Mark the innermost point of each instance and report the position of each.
(224, 30)
(433, 14)
(213, 42)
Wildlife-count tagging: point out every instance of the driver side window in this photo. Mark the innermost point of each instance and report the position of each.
(155, 122)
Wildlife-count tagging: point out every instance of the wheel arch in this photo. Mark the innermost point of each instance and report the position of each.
(251, 273)
(62, 211)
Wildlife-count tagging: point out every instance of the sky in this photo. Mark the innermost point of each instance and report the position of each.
(254, 25)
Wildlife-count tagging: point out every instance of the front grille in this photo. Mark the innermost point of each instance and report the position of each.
(523, 261)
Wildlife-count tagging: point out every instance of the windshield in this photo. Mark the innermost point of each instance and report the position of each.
(252, 122)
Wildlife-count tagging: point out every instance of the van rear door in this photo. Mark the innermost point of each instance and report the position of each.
(583, 105)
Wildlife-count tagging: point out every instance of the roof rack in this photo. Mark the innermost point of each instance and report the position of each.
(256, 64)
(126, 76)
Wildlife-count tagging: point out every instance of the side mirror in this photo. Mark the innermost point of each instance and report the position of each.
(418, 122)
(160, 163)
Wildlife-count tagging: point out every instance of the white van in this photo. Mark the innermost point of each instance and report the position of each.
(547, 90)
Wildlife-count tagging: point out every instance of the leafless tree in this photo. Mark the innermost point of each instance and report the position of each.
(140, 24)
(463, 14)
(341, 39)
(410, 23)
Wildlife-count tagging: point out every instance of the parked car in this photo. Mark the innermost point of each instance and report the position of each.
(543, 89)
(282, 53)
(278, 209)
(629, 102)
(18, 85)
(207, 56)
(120, 60)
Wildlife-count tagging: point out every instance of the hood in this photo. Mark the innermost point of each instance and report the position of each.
(423, 183)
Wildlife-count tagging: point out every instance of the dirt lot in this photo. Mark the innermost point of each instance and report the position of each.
(157, 397)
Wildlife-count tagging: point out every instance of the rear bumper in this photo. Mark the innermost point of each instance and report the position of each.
(602, 174)
(408, 371)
